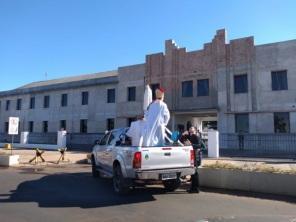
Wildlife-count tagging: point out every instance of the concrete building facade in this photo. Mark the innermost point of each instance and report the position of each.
(234, 86)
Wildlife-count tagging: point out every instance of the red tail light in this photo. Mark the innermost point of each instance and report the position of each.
(192, 158)
(137, 160)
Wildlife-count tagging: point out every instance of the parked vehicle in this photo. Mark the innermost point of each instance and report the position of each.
(114, 157)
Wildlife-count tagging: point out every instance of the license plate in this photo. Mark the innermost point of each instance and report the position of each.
(168, 176)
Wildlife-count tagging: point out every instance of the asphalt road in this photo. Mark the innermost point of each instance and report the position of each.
(69, 193)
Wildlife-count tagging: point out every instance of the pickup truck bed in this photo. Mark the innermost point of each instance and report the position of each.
(128, 165)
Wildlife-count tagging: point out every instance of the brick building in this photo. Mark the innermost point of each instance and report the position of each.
(235, 87)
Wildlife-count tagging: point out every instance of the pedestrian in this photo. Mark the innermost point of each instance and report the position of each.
(195, 141)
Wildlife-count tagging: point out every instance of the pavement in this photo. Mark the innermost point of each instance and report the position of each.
(69, 193)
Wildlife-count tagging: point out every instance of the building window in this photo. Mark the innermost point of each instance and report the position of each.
(18, 104)
(83, 126)
(110, 124)
(130, 120)
(110, 95)
(6, 126)
(187, 89)
(46, 101)
(63, 125)
(241, 83)
(281, 122)
(203, 87)
(153, 88)
(32, 103)
(31, 126)
(84, 98)
(131, 93)
(242, 123)
(64, 99)
(45, 126)
(7, 105)
(279, 80)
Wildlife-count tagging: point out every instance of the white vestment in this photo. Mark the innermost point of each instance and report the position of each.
(135, 132)
(157, 117)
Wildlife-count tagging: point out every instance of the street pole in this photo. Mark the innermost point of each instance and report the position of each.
(11, 144)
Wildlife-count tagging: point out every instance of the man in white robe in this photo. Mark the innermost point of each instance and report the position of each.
(156, 119)
(135, 131)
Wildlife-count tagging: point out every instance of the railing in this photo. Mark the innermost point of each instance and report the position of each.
(280, 144)
(82, 141)
(42, 138)
(5, 138)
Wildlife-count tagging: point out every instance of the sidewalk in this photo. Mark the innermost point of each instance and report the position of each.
(284, 166)
(51, 157)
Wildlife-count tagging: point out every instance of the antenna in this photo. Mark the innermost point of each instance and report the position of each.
(45, 74)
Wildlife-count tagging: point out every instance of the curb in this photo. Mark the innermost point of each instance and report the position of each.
(271, 183)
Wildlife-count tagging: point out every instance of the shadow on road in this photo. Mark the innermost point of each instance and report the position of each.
(75, 190)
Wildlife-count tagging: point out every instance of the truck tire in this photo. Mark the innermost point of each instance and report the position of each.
(119, 184)
(95, 172)
(171, 185)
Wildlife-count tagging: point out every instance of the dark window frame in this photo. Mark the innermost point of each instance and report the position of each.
(31, 126)
(130, 120)
(46, 101)
(279, 128)
(84, 98)
(7, 105)
(6, 127)
(240, 115)
(110, 124)
(63, 124)
(83, 126)
(153, 87)
(240, 83)
(64, 100)
(279, 80)
(45, 126)
(201, 87)
(187, 85)
(19, 104)
(111, 94)
(32, 102)
(131, 93)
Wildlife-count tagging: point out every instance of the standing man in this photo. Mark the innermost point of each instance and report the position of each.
(195, 141)
(157, 117)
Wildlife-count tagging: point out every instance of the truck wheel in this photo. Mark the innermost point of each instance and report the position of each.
(119, 184)
(171, 185)
(95, 172)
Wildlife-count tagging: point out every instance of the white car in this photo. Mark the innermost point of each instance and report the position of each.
(113, 156)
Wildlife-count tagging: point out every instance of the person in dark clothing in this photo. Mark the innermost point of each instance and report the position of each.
(195, 141)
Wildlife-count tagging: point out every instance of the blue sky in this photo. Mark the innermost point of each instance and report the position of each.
(73, 37)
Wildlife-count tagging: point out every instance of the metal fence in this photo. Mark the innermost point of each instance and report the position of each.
(260, 145)
(82, 141)
(42, 138)
(5, 138)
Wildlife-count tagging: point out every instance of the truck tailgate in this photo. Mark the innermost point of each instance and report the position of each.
(165, 157)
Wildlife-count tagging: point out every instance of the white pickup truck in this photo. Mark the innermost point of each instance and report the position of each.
(113, 156)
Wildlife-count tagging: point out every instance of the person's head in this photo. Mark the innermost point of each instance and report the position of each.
(159, 93)
(192, 130)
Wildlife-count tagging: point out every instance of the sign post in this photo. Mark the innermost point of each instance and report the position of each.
(13, 128)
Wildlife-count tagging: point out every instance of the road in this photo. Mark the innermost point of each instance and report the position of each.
(69, 193)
